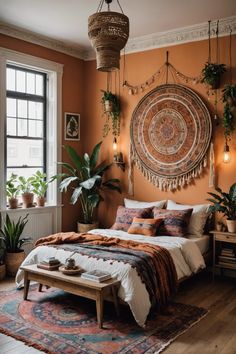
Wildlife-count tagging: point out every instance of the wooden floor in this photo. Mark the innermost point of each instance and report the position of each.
(216, 333)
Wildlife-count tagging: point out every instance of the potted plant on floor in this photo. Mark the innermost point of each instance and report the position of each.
(10, 234)
(25, 186)
(225, 203)
(111, 106)
(2, 260)
(86, 178)
(12, 191)
(40, 186)
(211, 74)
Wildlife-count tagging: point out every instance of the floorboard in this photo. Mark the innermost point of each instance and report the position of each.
(214, 334)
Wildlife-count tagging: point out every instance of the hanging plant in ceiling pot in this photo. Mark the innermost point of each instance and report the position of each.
(111, 109)
(211, 74)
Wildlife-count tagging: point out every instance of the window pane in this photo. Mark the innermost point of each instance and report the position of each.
(11, 81)
(11, 107)
(22, 127)
(11, 126)
(30, 83)
(20, 81)
(39, 85)
(28, 152)
(35, 129)
(25, 172)
(22, 108)
(35, 110)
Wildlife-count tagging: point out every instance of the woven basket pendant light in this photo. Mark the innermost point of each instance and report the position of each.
(108, 32)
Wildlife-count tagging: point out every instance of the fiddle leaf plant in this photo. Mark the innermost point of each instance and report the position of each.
(40, 183)
(11, 189)
(86, 179)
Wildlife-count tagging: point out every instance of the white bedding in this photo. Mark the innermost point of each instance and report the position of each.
(185, 254)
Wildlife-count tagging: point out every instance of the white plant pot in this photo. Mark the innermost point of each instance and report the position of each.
(231, 225)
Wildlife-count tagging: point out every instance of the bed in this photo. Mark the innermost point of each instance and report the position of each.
(187, 255)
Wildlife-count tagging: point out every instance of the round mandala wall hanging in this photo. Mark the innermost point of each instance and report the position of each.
(170, 135)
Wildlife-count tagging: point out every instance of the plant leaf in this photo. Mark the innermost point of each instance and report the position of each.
(94, 155)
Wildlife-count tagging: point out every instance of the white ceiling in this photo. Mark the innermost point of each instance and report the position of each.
(66, 20)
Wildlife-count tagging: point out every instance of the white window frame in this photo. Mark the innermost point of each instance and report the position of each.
(54, 73)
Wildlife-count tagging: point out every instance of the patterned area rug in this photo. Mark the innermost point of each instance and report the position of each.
(57, 322)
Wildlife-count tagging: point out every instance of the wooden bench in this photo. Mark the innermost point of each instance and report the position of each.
(75, 285)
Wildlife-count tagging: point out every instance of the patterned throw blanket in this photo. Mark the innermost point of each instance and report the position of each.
(153, 263)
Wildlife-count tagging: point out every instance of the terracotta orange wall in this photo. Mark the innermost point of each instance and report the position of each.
(72, 101)
(187, 58)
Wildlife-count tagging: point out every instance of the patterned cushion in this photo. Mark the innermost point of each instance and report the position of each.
(124, 217)
(174, 222)
(146, 227)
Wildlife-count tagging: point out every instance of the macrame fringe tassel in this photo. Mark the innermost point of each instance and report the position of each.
(131, 171)
(212, 177)
(164, 184)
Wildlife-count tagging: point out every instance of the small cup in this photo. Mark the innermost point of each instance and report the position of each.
(70, 263)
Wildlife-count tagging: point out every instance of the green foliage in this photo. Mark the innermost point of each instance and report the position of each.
(11, 232)
(25, 185)
(228, 120)
(40, 183)
(229, 93)
(114, 115)
(211, 73)
(11, 188)
(224, 202)
(86, 179)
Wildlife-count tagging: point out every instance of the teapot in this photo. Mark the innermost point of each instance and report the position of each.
(70, 263)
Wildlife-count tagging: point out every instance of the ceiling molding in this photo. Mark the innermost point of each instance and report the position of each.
(44, 41)
(174, 37)
(156, 40)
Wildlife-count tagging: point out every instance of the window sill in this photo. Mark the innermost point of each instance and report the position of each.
(35, 209)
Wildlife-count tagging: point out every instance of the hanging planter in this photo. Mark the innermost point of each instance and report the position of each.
(111, 108)
(211, 74)
(229, 95)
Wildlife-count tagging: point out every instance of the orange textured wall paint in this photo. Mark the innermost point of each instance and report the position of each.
(81, 93)
(187, 58)
(72, 101)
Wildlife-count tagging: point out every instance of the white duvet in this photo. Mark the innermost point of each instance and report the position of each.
(184, 252)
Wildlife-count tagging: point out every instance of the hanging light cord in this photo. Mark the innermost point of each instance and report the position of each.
(217, 43)
(209, 41)
(230, 55)
(120, 7)
(100, 5)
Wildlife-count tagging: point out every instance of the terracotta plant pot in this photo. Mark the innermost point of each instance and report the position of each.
(13, 262)
(40, 201)
(2, 271)
(86, 227)
(28, 199)
(231, 225)
(13, 203)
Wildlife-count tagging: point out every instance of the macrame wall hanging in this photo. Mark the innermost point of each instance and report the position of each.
(170, 134)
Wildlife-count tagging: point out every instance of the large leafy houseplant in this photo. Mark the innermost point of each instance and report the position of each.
(87, 180)
(111, 104)
(211, 74)
(10, 235)
(225, 203)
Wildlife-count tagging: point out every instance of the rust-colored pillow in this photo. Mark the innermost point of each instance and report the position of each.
(146, 227)
(124, 217)
(174, 222)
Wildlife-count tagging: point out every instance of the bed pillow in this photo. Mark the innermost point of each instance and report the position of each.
(174, 222)
(124, 217)
(198, 218)
(146, 227)
(130, 203)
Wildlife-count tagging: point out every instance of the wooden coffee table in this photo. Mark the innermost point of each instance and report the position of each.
(74, 284)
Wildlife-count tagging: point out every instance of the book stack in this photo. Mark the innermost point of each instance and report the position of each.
(227, 258)
(96, 275)
(49, 264)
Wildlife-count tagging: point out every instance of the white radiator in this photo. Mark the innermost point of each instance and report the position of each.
(41, 222)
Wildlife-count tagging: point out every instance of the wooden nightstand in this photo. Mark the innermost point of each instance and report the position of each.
(224, 250)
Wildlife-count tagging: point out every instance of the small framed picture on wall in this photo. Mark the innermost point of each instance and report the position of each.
(72, 126)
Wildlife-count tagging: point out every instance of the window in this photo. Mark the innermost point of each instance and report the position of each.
(26, 121)
(30, 121)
